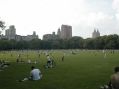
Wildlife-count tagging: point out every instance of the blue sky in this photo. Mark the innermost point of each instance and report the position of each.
(46, 16)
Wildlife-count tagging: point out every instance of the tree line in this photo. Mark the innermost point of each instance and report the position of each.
(103, 42)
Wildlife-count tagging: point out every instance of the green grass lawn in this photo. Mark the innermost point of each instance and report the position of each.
(84, 70)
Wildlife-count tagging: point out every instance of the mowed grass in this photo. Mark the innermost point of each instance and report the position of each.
(84, 70)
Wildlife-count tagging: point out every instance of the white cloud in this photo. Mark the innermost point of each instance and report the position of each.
(92, 18)
(104, 22)
(115, 5)
(45, 16)
(117, 15)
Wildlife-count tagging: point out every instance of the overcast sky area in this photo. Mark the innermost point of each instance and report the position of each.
(46, 16)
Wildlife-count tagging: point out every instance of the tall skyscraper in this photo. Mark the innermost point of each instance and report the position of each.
(66, 32)
(59, 33)
(96, 33)
(11, 32)
(34, 33)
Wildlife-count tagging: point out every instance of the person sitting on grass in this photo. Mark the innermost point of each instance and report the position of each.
(63, 58)
(114, 82)
(49, 62)
(35, 74)
(115, 79)
(29, 61)
(4, 64)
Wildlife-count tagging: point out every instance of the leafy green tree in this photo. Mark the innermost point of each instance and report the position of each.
(89, 43)
(35, 44)
(111, 41)
(75, 42)
(2, 26)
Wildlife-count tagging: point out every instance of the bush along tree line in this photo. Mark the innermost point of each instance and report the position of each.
(103, 42)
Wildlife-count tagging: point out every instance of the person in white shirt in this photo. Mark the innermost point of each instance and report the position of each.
(29, 61)
(35, 74)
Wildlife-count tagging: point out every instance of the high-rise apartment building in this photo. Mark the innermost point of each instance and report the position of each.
(66, 32)
(52, 36)
(11, 32)
(96, 33)
(59, 33)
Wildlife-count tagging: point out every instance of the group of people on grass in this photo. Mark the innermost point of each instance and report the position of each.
(35, 74)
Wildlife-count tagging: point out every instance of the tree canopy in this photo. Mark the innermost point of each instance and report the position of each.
(103, 42)
(2, 25)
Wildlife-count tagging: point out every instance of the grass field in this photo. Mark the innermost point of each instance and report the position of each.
(83, 70)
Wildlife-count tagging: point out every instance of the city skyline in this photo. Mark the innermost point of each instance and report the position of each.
(65, 32)
(46, 16)
(11, 34)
